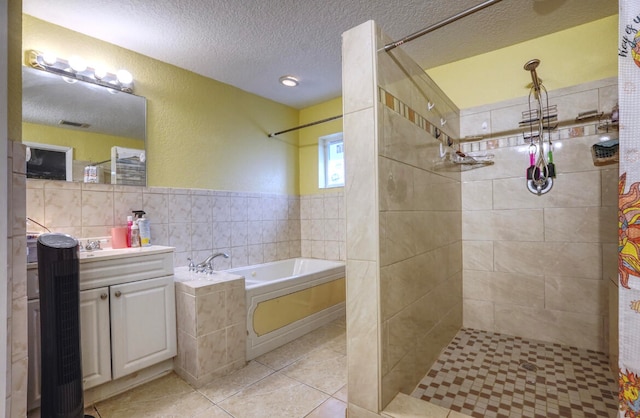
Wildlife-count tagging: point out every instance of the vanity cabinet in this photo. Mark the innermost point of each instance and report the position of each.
(143, 324)
(127, 317)
(94, 337)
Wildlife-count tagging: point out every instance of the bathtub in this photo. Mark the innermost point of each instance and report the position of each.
(289, 298)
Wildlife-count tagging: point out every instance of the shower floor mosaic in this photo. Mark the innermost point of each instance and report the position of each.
(484, 374)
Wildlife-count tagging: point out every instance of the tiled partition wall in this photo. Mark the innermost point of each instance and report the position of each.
(251, 227)
(420, 223)
(17, 284)
(404, 251)
(539, 266)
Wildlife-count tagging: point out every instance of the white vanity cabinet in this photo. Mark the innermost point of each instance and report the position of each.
(143, 324)
(127, 316)
(94, 335)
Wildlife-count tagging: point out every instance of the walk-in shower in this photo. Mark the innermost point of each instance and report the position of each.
(431, 243)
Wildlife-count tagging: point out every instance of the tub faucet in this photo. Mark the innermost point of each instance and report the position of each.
(207, 265)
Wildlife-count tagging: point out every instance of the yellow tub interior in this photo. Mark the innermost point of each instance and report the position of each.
(276, 313)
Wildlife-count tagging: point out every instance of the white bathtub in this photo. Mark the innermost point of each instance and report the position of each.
(282, 285)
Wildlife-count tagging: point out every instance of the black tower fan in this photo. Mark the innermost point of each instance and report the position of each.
(58, 277)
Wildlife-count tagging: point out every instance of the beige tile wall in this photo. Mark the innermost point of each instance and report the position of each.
(361, 215)
(322, 226)
(420, 208)
(537, 266)
(403, 228)
(251, 227)
(211, 321)
(17, 284)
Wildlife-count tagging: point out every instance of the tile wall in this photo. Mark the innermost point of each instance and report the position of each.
(212, 329)
(420, 223)
(17, 284)
(359, 91)
(322, 222)
(403, 222)
(539, 266)
(251, 227)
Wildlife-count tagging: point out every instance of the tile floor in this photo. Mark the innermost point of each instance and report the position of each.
(305, 378)
(485, 374)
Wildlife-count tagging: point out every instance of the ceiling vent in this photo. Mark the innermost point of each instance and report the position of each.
(74, 124)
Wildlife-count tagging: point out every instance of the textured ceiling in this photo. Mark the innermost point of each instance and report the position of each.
(251, 43)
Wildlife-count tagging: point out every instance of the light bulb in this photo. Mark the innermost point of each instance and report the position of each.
(124, 77)
(77, 64)
(49, 59)
(99, 72)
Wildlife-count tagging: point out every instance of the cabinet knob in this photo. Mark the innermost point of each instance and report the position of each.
(103, 296)
(118, 293)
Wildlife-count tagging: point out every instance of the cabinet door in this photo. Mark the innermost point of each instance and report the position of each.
(95, 338)
(33, 379)
(143, 324)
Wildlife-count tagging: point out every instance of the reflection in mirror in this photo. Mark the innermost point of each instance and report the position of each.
(92, 120)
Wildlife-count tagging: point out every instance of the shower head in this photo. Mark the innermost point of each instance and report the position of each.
(531, 66)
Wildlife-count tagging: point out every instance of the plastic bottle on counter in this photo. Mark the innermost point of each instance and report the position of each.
(135, 235)
(129, 225)
(145, 232)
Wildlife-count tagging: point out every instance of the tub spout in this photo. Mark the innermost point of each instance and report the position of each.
(207, 265)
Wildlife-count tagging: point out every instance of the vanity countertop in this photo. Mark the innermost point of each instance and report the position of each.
(115, 253)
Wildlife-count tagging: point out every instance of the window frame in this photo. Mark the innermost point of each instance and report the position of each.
(324, 142)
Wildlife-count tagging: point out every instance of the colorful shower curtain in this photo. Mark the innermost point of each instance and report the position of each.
(629, 208)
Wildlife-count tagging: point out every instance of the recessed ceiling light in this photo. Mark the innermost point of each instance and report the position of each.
(289, 81)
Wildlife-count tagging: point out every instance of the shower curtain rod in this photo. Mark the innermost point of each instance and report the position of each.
(440, 24)
(306, 125)
(396, 44)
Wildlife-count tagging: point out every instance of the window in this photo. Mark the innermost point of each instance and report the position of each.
(331, 161)
(51, 162)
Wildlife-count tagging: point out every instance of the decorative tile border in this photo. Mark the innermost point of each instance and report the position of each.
(401, 108)
(484, 144)
(516, 140)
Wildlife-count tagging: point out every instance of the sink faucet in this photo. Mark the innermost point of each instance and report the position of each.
(207, 265)
(92, 245)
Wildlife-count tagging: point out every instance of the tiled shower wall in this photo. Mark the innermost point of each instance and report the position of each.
(403, 229)
(420, 228)
(252, 227)
(539, 266)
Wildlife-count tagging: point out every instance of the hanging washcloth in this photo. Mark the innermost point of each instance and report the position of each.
(605, 152)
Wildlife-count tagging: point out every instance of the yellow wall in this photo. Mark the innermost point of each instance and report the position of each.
(206, 134)
(570, 57)
(14, 87)
(309, 142)
(201, 133)
(87, 146)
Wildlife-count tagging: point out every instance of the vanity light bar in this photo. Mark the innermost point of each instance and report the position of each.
(76, 69)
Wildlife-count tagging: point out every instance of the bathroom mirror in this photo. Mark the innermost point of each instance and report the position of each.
(91, 120)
